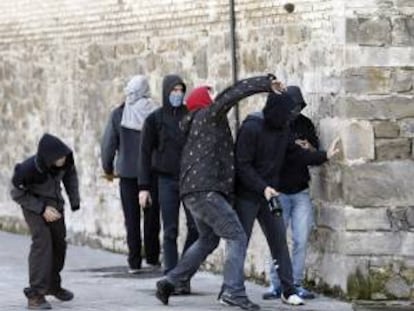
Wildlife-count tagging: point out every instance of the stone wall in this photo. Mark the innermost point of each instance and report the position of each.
(63, 66)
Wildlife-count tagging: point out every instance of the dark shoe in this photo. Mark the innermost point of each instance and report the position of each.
(241, 302)
(183, 289)
(304, 293)
(272, 295)
(62, 294)
(38, 303)
(164, 290)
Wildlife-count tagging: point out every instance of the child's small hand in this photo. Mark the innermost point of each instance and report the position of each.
(51, 214)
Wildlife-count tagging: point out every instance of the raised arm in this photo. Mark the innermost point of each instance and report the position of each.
(242, 89)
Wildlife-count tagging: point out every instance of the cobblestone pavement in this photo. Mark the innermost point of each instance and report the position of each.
(100, 281)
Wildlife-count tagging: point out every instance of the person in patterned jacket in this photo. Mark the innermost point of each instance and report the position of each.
(207, 186)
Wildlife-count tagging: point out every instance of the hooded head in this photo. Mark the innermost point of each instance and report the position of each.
(168, 84)
(51, 149)
(296, 94)
(136, 89)
(138, 104)
(279, 110)
(199, 98)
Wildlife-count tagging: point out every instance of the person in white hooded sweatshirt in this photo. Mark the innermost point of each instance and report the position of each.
(121, 141)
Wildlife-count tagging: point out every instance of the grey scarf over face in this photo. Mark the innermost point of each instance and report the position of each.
(138, 104)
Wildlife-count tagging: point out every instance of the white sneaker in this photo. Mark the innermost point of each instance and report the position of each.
(134, 271)
(293, 300)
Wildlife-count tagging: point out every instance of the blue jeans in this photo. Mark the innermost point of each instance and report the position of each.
(215, 219)
(297, 212)
(169, 201)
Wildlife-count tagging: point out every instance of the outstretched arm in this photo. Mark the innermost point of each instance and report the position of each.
(242, 89)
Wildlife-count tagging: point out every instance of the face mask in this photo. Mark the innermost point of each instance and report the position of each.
(176, 100)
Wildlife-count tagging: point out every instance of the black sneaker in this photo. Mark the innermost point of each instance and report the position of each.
(241, 302)
(38, 302)
(61, 294)
(164, 290)
(183, 289)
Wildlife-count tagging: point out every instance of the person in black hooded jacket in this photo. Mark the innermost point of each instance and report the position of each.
(207, 185)
(36, 187)
(263, 144)
(295, 199)
(161, 146)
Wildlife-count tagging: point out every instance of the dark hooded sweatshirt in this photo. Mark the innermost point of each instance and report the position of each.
(294, 176)
(264, 143)
(36, 182)
(208, 161)
(161, 139)
(120, 143)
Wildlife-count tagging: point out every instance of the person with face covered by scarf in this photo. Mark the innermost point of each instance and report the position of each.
(36, 187)
(263, 144)
(161, 148)
(121, 140)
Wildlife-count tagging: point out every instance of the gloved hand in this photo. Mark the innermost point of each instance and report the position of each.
(75, 208)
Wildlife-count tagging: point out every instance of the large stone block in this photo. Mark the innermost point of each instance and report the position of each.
(372, 243)
(357, 137)
(403, 31)
(367, 80)
(360, 56)
(407, 246)
(326, 183)
(402, 80)
(364, 31)
(407, 127)
(373, 107)
(379, 184)
(405, 3)
(392, 149)
(398, 288)
(386, 129)
(358, 219)
(333, 216)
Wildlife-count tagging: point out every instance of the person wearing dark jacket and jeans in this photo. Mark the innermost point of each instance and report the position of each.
(121, 140)
(161, 148)
(207, 187)
(36, 187)
(295, 199)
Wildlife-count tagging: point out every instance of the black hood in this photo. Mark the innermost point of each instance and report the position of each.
(279, 110)
(296, 94)
(168, 84)
(49, 150)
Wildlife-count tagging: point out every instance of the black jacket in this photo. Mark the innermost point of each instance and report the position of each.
(36, 183)
(208, 161)
(161, 139)
(263, 148)
(120, 143)
(294, 176)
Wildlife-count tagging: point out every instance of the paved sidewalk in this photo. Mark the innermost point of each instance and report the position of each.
(100, 282)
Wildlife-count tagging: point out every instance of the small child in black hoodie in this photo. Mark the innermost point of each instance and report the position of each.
(36, 187)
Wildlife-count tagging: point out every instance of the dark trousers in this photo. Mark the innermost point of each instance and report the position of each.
(169, 199)
(132, 214)
(152, 227)
(47, 254)
(215, 219)
(274, 230)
